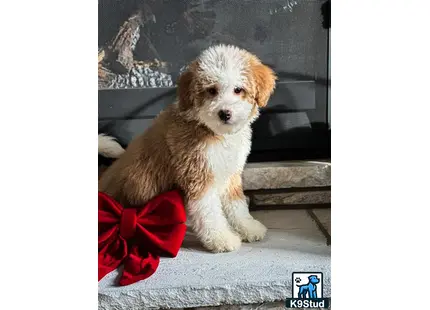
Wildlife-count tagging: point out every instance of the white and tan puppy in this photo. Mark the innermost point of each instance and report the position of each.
(200, 145)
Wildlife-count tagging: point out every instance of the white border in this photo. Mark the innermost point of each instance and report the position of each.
(380, 117)
(380, 143)
(48, 155)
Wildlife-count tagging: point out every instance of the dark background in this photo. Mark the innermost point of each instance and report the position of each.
(290, 36)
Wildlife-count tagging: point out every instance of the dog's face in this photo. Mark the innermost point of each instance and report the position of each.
(314, 279)
(224, 87)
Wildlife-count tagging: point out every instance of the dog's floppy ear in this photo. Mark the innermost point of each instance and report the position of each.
(184, 90)
(265, 81)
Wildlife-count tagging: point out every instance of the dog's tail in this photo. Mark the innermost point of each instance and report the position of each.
(109, 147)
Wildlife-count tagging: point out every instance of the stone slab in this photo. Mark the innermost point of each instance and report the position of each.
(287, 174)
(295, 198)
(257, 273)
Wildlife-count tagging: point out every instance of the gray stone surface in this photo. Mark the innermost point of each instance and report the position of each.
(257, 273)
(278, 305)
(267, 305)
(287, 174)
(324, 216)
(316, 197)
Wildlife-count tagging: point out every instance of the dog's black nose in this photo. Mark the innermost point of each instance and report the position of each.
(224, 115)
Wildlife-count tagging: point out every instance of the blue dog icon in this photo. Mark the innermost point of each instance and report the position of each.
(309, 289)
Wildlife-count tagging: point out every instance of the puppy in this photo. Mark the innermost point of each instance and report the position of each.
(200, 145)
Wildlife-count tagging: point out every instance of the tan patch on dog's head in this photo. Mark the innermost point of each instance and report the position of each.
(263, 81)
(186, 87)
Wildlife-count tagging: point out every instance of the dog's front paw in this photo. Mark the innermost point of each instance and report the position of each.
(252, 230)
(222, 241)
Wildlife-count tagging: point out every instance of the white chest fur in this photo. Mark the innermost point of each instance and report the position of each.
(228, 156)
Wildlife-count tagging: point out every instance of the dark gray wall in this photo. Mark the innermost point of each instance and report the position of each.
(286, 35)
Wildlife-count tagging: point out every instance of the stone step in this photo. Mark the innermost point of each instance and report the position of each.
(258, 273)
(287, 174)
(289, 183)
(305, 198)
(286, 183)
(283, 174)
(278, 305)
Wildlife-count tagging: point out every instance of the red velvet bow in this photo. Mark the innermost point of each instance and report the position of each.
(138, 237)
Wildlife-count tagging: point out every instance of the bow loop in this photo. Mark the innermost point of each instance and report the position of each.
(137, 237)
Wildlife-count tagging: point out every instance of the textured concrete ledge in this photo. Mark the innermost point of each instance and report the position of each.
(257, 273)
(299, 198)
(287, 174)
(280, 305)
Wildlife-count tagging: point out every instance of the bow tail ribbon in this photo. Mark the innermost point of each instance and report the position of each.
(138, 266)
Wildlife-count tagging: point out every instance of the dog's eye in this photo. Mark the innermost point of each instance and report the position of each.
(238, 90)
(212, 90)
